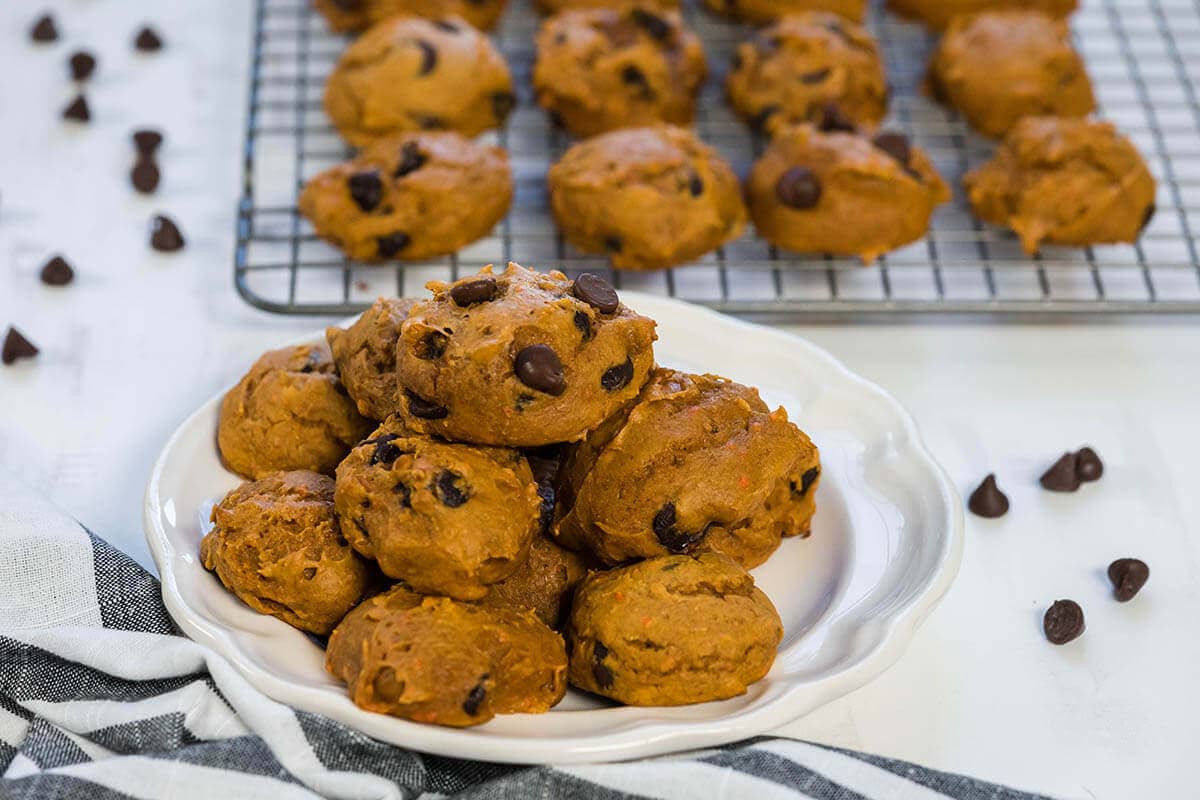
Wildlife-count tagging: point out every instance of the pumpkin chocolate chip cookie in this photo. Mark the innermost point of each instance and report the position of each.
(555, 6)
(410, 196)
(439, 661)
(938, 13)
(365, 354)
(289, 412)
(542, 584)
(672, 630)
(276, 544)
(409, 73)
(357, 15)
(759, 11)
(650, 197)
(1065, 181)
(520, 358)
(697, 463)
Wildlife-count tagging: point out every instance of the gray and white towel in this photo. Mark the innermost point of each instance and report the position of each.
(101, 698)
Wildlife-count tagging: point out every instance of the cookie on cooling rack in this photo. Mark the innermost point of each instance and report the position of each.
(409, 73)
(357, 15)
(938, 13)
(1064, 181)
(649, 197)
(600, 69)
(999, 66)
(759, 11)
(410, 196)
(791, 70)
(843, 193)
(365, 355)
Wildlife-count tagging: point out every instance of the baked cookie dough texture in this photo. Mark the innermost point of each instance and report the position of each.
(365, 356)
(358, 15)
(760, 11)
(938, 13)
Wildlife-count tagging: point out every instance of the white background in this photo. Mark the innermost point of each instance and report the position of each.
(142, 338)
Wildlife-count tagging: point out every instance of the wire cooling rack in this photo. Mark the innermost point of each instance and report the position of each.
(1143, 56)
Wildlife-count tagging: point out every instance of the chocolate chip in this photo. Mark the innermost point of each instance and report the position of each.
(538, 367)
(600, 670)
(474, 699)
(502, 105)
(361, 524)
(831, 119)
(411, 160)
(366, 189)
(386, 451)
(895, 145)
(656, 26)
(1063, 621)
(432, 346)
(165, 235)
(82, 64)
(445, 486)
(1062, 476)
(16, 347)
(421, 408)
(584, 324)
(613, 244)
(633, 76)
(596, 292)
(616, 378)
(78, 110)
(481, 289)
(669, 537)
(988, 501)
(815, 77)
(429, 57)
(145, 175)
(147, 141)
(405, 494)
(148, 41)
(44, 30)
(806, 482)
(1088, 466)
(799, 188)
(445, 25)
(696, 185)
(1128, 576)
(310, 573)
(392, 244)
(57, 272)
(759, 121)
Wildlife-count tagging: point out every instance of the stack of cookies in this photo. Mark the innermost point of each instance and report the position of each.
(452, 486)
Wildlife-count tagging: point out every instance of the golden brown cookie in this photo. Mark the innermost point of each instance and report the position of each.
(698, 463)
(409, 73)
(357, 15)
(289, 412)
(650, 197)
(276, 544)
(410, 196)
(1065, 181)
(520, 358)
(791, 70)
(444, 518)
(998, 66)
(938, 13)
(843, 193)
(365, 355)
(672, 630)
(443, 662)
(554, 6)
(759, 11)
(599, 69)
(542, 584)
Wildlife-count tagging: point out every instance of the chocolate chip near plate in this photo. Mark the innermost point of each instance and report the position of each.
(798, 188)
(617, 378)
(78, 110)
(1062, 476)
(82, 64)
(600, 670)
(596, 292)
(386, 453)
(148, 40)
(44, 29)
(669, 536)
(831, 119)
(987, 500)
(392, 244)
(656, 26)
(405, 494)
(815, 77)
(366, 189)
(1088, 466)
(474, 290)
(1063, 621)
(421, 408)
(894, 144)
(411, 160)
(165, 235)
(147, 141)
(16, 347)
(474, 699)
(696, 185)
(538, 367)
(57, 272)
(502, 105)
(806, 481)
(1128, 576)
(145, 175)
(446, 487)
(429, 57)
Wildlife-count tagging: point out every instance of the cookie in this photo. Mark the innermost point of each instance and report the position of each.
(289, 412)
(999, 66)
(938, 13)
(408, 74)
(439, 661)
(555, 6)
(698, 463)
(542, 584)
(1064, 181)
(445, 518)
(276, 544)
(760, 11)
(649, 197)
(365, 355)
(410, 196)
(842, 193)
(672, 630)
(358, 15)
(599, 69)
(520, 358)
(791, 70)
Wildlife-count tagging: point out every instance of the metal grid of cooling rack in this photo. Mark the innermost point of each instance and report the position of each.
(1143, 62)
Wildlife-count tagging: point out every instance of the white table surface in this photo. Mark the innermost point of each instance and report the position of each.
(142, 338)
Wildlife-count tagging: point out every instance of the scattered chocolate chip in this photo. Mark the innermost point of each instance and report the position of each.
(445, 25)
(44, 29)
(632, 76)
(894, 144)
(1062, 476)
(656, 26)
(596, 292)
(523, 401)
(613, 244)
(16, 347)
(411, 160)
(148, 41)
(831, 119)
(806, 482)
(432, 346)
(361, 524)
(145, 175)
(474, 290)
(696, 185)
(815, 77)
(1128, 576)
(147, 141)
(474, 700)
(310, 573)
(57, 272)
(759, 121)
(583, 323)
(392, 244)
(988, 501)
(429, 57)
(600, 670)
(1088, 466)
(78, 110)
(798, 188)
(1063, 621)
(502, 105)
(366, 189)
(421, 408)
(617, 378)
(669, 537)
(82, 64)
(165, 235)
(405, 494)
(445, 486)
(538, 367)
(386, 450)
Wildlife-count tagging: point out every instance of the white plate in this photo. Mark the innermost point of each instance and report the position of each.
(886, 544)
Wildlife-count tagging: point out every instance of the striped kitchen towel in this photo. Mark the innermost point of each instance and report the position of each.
(101, 697)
